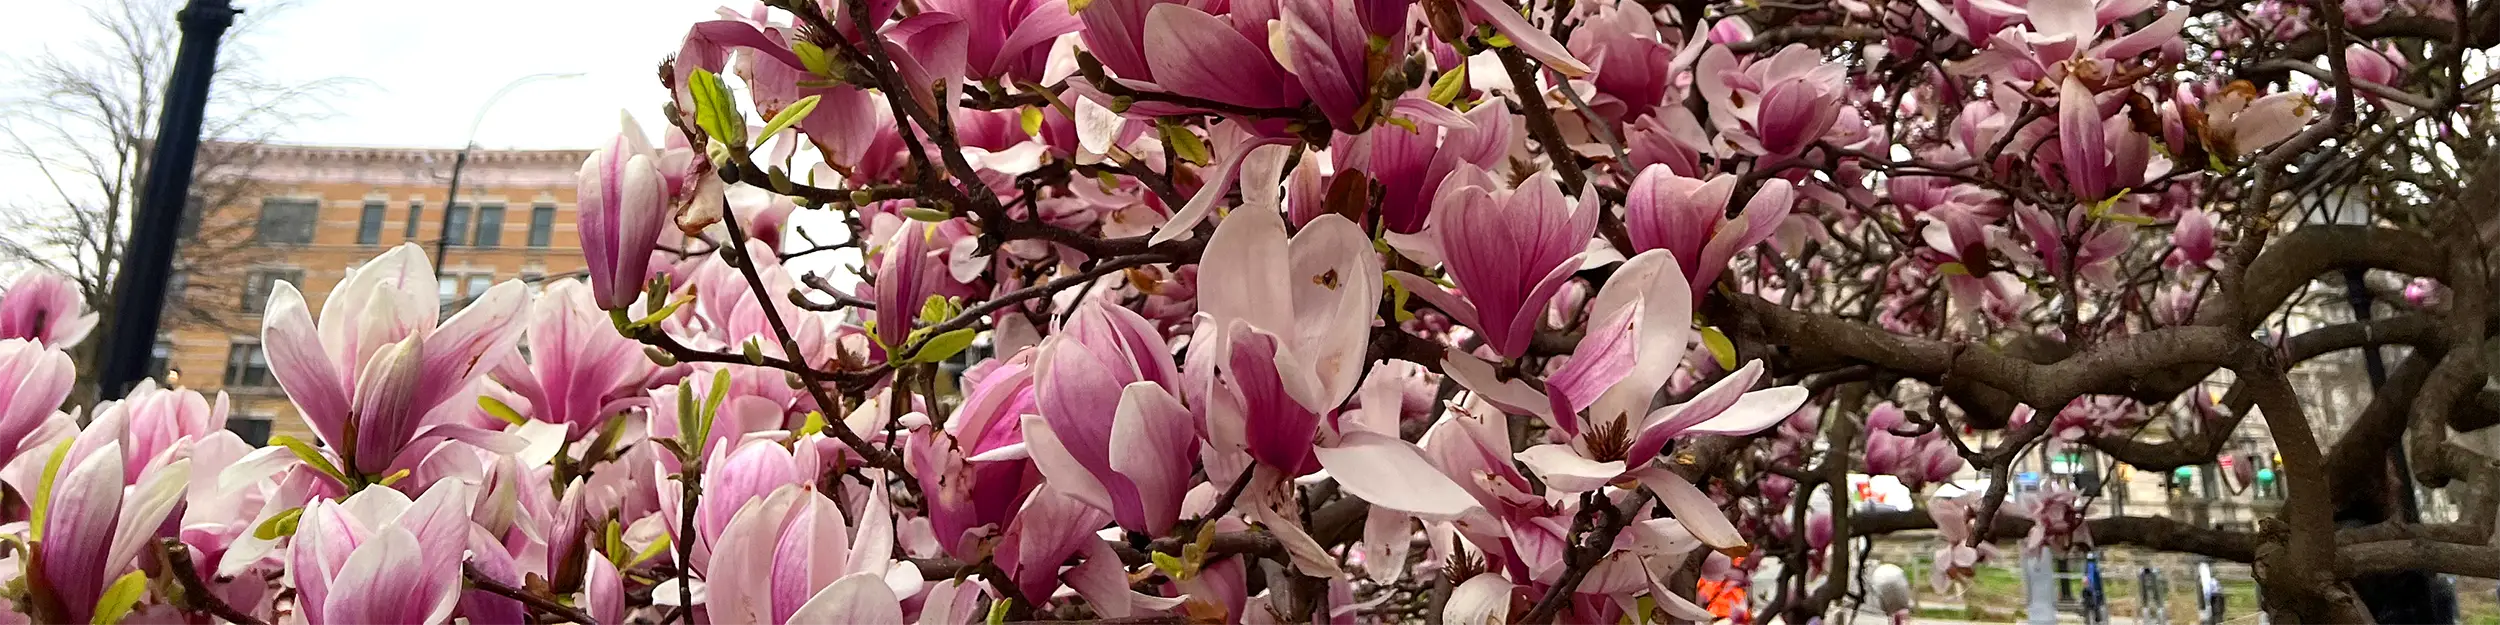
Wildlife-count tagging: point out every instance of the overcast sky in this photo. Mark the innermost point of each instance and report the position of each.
(425, 69)
(428, 66)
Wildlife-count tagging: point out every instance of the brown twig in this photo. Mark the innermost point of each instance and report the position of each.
(545, 605)
(195, 591)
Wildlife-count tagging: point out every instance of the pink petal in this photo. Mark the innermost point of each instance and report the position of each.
(1531, 40)
(1753, 412)
(1195, 54)
(856, 598)
(1392, 473)
(302, 365)
(1670, 422)
(387, 581)
(1603, 358)
(1566, 471)
(1694, 509)
(1154, 437)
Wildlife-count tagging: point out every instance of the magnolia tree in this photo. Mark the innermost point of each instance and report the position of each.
(1353, 310)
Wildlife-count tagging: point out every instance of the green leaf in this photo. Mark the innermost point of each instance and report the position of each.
(279, 525)
(1402, 122)
(43, 485)
(815, 423)
(689, 423)
(393, 478)
(1185, 144)
(941, 347)
(120, 598)
(1173, 566)
(716, 109)
(501, 410)
(936, 310)
(789, 115)
(1031, 121)
(814, 58)
(1450, 85)
(1498, 40)
(311, 456)
(998, 609)
(1953, 269)
(930, 215)
(659, 545)
(1720, 348)
(711, 405)
(1397, 299)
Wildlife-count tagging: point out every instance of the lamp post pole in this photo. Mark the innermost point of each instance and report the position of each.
(148, 257)
(442, 237)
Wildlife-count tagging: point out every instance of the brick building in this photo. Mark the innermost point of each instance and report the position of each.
(314, 211)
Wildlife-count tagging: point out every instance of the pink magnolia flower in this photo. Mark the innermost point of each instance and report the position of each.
(45, 308)
(1686, 217)
(580, 372)
(1110, 432)
(965, 486)
(2056, 520)
(2094, 254)
(1956, 558)
(1774, 107)
(2194, 238)
(379, 558)
(33, 382)
(1411, 165)
(379, 363)
(2239, 122)
(2099, 157)
(92, 529)
(1508, 250)
(1328, 49)
(989, 40)
(908, 270)
(1627, 61)
(791, 557)
(1290, 319)
(623, 205)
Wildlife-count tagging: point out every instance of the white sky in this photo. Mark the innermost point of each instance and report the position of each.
(430, 65)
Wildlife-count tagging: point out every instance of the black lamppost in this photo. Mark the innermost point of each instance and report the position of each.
(147, 260)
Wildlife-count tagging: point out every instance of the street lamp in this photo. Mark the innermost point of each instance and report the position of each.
(442, 238)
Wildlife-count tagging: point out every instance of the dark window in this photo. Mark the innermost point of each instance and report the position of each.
(253, 430)
(489, 225)
(261, 282)
(456, 225)
(369, 226)
(247, 366)
(285, 220)
(194, 209)
(542, 224)
(160, 360)
(416, 210)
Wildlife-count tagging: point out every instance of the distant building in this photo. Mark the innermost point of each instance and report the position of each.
(314, 211)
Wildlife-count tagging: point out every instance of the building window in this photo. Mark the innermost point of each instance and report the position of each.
(247, 366)
(447, 289)
(456, 225)
(542, 224)
(489, 225)
(478, 282)
(161, 361)
(258, 284)
(369, 225)
(194, 209)
(284, 220)
(416, 213)
(253, 429)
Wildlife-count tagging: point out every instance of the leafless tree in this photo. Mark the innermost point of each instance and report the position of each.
(85, 118)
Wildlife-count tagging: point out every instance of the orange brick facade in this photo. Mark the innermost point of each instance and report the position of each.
(344, 191)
